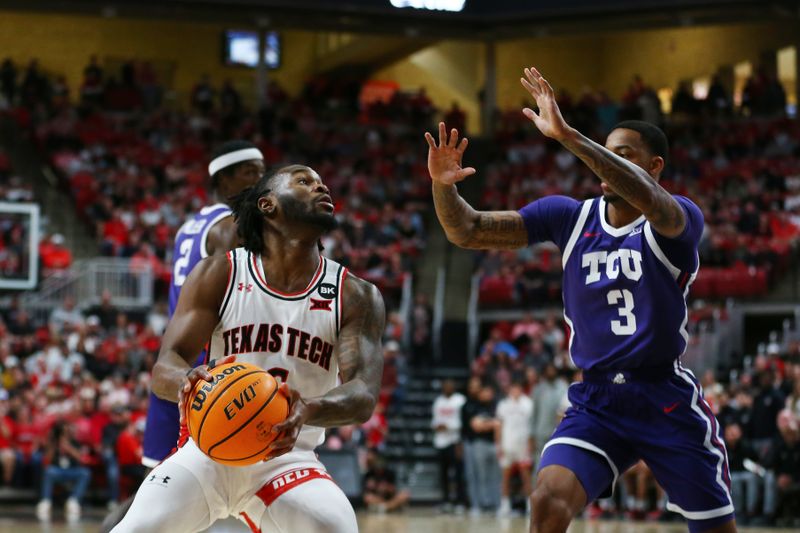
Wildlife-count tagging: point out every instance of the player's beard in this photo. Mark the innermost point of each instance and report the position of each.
(300, 212)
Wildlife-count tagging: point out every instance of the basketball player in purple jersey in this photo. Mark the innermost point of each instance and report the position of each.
(234, 166)
(629, 258)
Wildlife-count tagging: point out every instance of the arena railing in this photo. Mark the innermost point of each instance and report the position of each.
(407, 309)
(130, 286)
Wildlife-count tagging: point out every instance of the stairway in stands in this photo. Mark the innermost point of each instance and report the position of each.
(58, 211)
(409, 446)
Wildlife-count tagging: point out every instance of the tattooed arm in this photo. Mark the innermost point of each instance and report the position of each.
(628, 180)
(463, 225)
(631, 182)
(360, 358)
(482, 230)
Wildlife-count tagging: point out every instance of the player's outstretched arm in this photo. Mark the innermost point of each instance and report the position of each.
(631, 182)
(463, 225)
(191, 327)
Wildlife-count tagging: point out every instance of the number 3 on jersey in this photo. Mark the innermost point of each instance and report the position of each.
(628, 326)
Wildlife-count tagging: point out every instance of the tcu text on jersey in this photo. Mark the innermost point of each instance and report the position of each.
(625, 261)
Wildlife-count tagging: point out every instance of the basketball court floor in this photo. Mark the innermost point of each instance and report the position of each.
(411, 521)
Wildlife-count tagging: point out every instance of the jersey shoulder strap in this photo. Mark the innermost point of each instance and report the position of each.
(215, 213)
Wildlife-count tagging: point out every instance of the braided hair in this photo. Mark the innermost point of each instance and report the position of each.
(248, 217)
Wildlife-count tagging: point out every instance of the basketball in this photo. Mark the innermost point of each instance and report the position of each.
(231, 417)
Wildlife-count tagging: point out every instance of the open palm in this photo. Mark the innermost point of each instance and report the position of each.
(549, 119)
(444, 161)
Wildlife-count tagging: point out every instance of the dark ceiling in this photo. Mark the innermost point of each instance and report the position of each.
(479, 19)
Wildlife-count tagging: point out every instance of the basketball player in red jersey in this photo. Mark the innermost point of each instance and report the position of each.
(321, 324)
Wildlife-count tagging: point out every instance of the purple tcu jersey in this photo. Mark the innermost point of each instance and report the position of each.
(624, 288)
(190, 247)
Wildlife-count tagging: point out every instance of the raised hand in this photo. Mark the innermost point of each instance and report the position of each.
(444, 161)
(549, 119)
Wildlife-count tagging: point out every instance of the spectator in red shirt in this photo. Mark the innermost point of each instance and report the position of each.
(29, 434)
(55, 256)
(7, 455)
(129, 451)
(376, 428)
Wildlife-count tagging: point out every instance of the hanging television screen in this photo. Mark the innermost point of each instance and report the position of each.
(240, 48)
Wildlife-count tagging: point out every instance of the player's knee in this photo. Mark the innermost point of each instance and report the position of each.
(340, 521)
(549, 511)
(143, 524)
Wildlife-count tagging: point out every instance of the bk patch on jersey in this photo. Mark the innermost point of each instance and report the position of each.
(327, 290)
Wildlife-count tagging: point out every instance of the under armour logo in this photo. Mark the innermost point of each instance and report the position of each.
(164, 479)
(320, 305)
(619, 379)
(636, 231)
(245, 288)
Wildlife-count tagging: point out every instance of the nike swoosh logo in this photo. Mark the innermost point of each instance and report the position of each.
(671, 408)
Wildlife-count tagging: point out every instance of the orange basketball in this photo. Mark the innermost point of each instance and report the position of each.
(230, 418)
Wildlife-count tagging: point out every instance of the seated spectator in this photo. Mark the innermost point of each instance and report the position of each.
(105, 311)
(29, 435)
(66, 313)
(55, 256)
(744, 482)
(65, 464)
(111, 432)
(8, 456)
(380, 487)
(129, 452)
(376, 428)
(782, 497)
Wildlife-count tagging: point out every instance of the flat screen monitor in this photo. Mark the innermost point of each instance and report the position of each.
(240, 48)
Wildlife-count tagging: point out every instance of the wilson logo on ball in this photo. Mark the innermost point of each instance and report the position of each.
(202, 393)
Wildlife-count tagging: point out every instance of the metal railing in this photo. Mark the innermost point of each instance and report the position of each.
(130, 286)
(407, 310)
(438, 312)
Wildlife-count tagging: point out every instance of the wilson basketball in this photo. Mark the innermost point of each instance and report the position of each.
(231, 417)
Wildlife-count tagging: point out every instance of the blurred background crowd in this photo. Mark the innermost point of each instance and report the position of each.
(74, 381)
